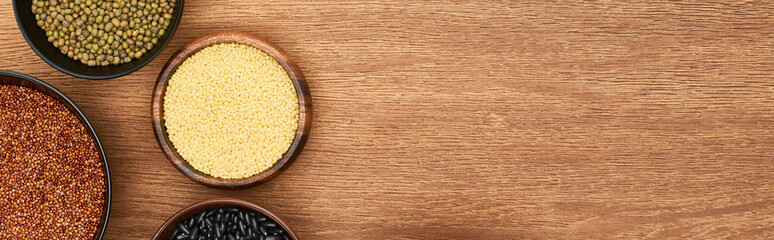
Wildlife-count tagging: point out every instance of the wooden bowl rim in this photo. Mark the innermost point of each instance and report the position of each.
(28, 81)
(192, 210)
(296, 76)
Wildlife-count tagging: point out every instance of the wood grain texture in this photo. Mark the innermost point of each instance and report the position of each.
(295, 75)
(480, 119)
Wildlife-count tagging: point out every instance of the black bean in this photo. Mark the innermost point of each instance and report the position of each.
(249, 232)
(262, 219)
(263, 230)
(262, 237)
(253, 224)
(182, 236)
(183, 228)
(229, 237)
(195, 233)
(208, 223)
(276, 231)
(190, 223)
(242, 227)
(285, 237)
(219, 231)
(232, 209)
(273, 238)
(210, 213)
(200, 217)
(269, 224)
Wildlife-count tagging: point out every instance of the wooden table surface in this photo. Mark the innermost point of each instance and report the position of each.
(480, 119)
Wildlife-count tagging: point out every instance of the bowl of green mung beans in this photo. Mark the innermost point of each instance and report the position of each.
(97, 39)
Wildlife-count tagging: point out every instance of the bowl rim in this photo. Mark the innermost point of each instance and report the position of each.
(296, 76)
(82, 117)
(196, 208)
(153, 55)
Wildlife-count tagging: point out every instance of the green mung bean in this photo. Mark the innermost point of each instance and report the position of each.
(121, 30)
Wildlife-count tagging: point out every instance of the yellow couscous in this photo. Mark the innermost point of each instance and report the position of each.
(231, 111)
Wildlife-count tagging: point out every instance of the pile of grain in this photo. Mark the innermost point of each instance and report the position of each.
(231, 111)
(52, 181)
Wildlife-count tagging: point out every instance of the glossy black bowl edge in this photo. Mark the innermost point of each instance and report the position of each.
(59, 96)
(133, 66)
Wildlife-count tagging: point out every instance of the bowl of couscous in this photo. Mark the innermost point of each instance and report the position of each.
(231, 110)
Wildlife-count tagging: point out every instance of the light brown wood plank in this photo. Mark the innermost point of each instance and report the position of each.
(480, 119)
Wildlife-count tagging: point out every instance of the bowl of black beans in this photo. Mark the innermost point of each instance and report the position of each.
(97, 39)
(227, 219)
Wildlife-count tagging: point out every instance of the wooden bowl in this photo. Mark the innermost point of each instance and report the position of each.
(171, 224)
(18, 79)
(37, 40)
(304, 107)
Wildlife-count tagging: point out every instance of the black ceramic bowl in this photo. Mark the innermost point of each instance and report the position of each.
(37, 40)
(13, 78)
